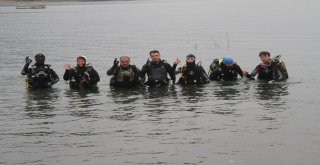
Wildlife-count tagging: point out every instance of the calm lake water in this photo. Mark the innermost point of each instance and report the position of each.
(243, 122)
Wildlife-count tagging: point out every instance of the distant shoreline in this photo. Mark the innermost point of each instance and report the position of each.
(14, 2)
(45, 2)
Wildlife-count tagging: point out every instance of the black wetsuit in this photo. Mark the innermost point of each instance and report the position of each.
(39, 75)
(124, 76)
(192, 74)
(157, 73)
(270, 71)
(76, 74)
(222, 72)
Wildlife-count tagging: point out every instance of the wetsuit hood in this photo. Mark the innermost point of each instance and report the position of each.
(40, 59)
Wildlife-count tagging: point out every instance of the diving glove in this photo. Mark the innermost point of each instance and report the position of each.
(250, 77)
(115, 63)
(28, 61)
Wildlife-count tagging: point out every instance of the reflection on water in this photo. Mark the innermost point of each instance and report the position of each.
(236, 122)
(151, 92)
(172, 115)
(126, 101)
(40, 103)
(193, 93)
(272, 96)
(125, 95)
(228, 90)
(192, 97)
(81, 102)
(229, 95)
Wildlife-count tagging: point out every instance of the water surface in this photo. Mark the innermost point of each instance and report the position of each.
(243, 122)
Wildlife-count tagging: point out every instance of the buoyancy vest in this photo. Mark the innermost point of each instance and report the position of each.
(157, 72)
(77, 74)
(229, 73)
(125, 74)
(221, 71)
(265, 72)
(191, 72)
(38, 76)
(41, 72)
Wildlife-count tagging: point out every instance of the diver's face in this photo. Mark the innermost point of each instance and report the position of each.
(155, 57)
(229, 65)
(190, 60)
(264, 58)
(80, 62)
(39, 60)
(125, 62)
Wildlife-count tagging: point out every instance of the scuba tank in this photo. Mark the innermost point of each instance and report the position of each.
(38, 76)
(278, 65)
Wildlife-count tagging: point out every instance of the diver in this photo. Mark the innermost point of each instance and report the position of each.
(39, 75)
(125, 75)
(224, 69)
(270, 70)
(192, 73)
(157, 70)
(82, 75)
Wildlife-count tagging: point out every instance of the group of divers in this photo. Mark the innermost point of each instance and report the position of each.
(83, 75)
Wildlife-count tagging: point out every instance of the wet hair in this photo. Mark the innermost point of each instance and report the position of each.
(264, 53)
(154, 51)
(191, 55)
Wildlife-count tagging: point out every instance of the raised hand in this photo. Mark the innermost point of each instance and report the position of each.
(28, 61)
(68, 66)
(115, 62)
(177, 61)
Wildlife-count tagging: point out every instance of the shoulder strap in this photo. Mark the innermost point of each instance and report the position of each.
(148, 64)
(199, 64)
(134, 68)
(47, 67)
(89, 67)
